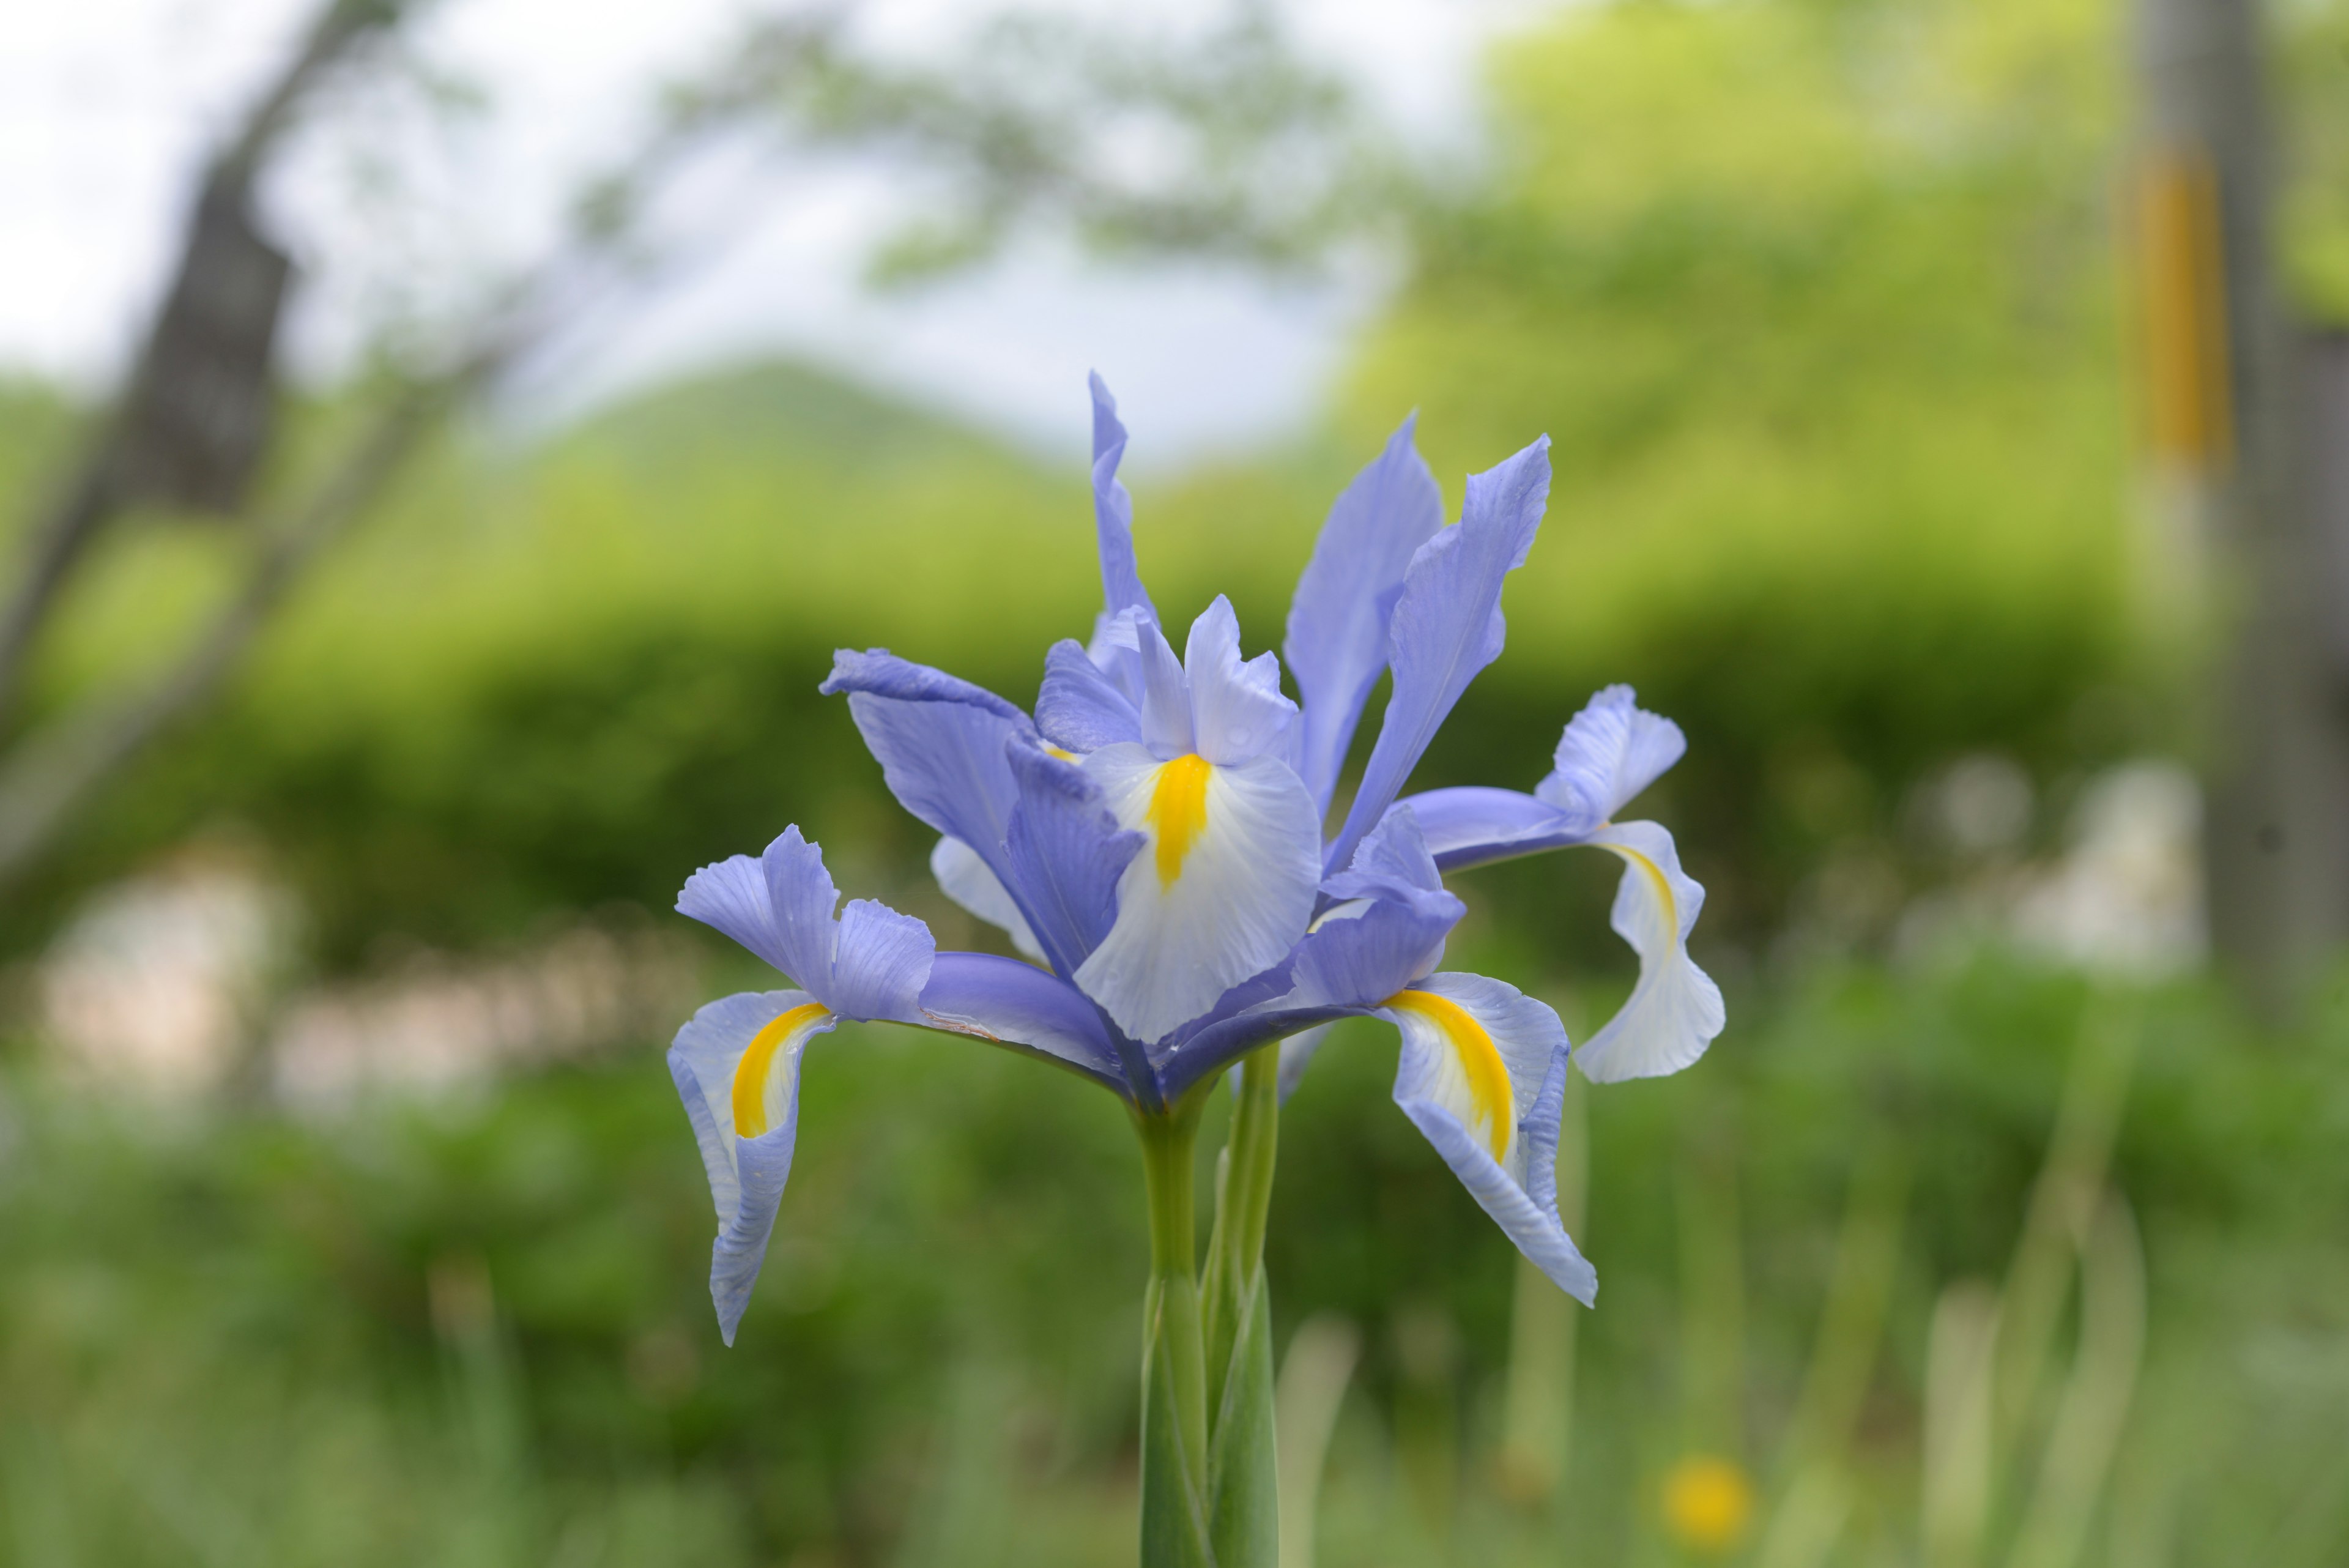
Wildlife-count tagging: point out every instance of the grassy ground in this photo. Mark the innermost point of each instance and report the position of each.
(475, 1332)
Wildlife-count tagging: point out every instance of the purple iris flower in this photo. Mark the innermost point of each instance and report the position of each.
(1154, 839)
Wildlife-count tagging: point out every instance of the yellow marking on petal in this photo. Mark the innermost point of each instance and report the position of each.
(1178, 811)
(1480, 1060)
(750, 1074)
(1663, 885)
(1065, 757)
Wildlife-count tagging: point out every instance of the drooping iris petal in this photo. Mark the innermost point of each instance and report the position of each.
(737, 1069)
(1675, 1010)
(1537, 1132)
(1337, 641)
(1237, 712)
(1447, 626)
(1114, 510)
(1222, 889)
(1066, 853)
(1482, 1075)
(1080, 709)
(1612, 751)
(940, 742)
(1608, 753)
(963, 876)
(1019, 1005)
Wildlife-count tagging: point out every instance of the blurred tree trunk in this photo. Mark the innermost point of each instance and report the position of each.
(2228, 416)
(194, 418)
(1032, 126)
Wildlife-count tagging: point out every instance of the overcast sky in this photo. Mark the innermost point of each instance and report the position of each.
(107, 106)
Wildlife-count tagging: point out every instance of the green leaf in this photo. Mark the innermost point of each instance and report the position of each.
(1173, 1431)
(1243, 1477)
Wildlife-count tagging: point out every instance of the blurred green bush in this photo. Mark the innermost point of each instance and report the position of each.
(554, 677)
(1818, 302)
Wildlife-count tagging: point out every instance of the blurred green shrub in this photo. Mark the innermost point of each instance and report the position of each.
(1818, 303)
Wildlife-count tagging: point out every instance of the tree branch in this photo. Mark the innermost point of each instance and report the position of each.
(102, 485)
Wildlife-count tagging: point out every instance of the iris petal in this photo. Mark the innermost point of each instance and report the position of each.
(1114, 510)
(872, 963)
(1387, 932)
(940, 743)
(1474, 825)
(1447, 627)
(1237, 712)
(1012, 1003)
(1337, 641)
(1675, 1010)
(1467, 1041)
(964, 878)
(1080, 707)
(1067, 854)
(747, 1173)
(1610, 751)
(1241, 899)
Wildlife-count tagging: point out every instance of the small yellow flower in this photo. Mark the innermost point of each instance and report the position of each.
(1708, 1503)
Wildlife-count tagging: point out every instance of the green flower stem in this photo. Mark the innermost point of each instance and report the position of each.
(1174, 1488)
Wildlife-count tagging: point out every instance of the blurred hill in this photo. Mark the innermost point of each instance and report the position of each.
(778, 408)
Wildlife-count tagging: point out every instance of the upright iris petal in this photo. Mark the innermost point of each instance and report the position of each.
(1080, 708)
(1610, 752)
(1337, 642)
(1122, 587)
(1447, 626)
